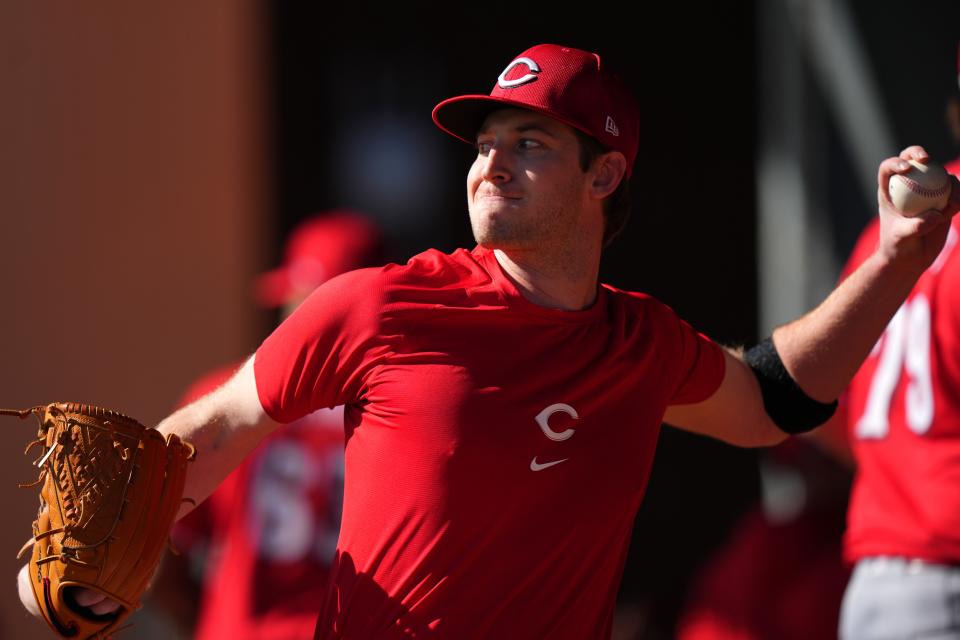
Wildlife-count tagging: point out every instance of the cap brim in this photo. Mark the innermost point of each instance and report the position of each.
(463, 116)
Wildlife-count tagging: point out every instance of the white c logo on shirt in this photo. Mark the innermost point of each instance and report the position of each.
(529, 77)
(543, 419)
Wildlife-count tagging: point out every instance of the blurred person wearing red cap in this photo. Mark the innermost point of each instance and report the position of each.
(501, 406)
(261, 545)
(316, 250)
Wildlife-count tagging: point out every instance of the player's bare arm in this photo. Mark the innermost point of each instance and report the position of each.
(224, 426)
(734, 413)
(822, 350)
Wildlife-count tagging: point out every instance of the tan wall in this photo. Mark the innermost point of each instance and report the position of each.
(132, 214)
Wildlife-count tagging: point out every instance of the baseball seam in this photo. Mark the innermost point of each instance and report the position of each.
(927, 192)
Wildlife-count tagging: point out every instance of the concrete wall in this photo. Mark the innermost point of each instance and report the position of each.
(132, 214)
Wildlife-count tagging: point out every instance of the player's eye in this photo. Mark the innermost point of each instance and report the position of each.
(528, 143)
(484, 146)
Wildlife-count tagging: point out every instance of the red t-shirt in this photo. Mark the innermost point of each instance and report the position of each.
(271, 528)
(497, 451)
(904, 421)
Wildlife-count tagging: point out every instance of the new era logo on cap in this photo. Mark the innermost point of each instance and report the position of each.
(611, 127)
(567, 84)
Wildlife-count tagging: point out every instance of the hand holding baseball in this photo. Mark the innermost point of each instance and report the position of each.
(915, 211)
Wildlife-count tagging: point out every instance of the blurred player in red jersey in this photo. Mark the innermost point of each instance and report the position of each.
(502, 407)
(780, 575)
(903, 417)
(269, 532)
(781, 580)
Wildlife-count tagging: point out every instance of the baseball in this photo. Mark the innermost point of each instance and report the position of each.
(922, 188)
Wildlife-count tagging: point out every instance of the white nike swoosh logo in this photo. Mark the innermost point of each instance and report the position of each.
(536, 466)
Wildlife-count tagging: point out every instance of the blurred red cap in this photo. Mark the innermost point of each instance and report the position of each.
(318, 249)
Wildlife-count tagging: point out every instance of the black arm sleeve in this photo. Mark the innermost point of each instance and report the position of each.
(784, 401)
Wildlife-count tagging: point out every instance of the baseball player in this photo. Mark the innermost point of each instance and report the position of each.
(903, 420)
(268, 533)
(501, 407)
(780, 574)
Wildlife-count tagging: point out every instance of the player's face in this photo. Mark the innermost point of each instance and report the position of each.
(526, 186)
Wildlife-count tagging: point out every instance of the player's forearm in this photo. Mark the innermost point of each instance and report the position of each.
(224, 426)
(823, 349)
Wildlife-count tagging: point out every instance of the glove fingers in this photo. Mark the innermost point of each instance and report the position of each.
(134, 557)
(175, 455)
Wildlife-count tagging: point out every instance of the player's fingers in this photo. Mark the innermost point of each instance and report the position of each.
(929, 221)
(953, 203)
(88, 597)
(95, 601)
(888, 168)
(105, 607)
(915, 152)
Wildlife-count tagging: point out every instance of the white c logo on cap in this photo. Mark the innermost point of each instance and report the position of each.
(530, 77)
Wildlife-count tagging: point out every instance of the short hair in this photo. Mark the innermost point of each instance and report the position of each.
(616, 206)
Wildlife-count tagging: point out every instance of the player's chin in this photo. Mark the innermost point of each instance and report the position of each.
(491, 233)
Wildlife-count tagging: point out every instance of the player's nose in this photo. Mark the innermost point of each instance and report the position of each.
(496, 167)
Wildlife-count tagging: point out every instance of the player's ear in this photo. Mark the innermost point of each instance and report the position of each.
(953, 116)
(609, 169)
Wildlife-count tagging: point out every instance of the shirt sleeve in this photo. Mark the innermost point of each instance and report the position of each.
(700, 364)
(695, 363)
(320, 355)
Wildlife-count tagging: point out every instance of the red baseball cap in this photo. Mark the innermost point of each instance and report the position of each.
(569, 85)
(318, 249)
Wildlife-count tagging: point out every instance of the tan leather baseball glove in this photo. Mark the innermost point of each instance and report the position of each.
(110, 492)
